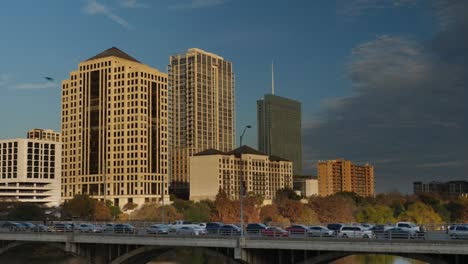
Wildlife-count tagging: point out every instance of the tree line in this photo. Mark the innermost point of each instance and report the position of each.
(286, 208)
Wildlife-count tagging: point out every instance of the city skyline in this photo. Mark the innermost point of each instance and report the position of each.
(331, 56)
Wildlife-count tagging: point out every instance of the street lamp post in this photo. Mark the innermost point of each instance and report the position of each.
(241, 184)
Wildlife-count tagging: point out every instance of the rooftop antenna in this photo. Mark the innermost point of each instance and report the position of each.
(272, 78)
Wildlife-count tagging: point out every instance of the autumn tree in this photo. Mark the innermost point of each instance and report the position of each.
(101, 212)
(335, 208)
(114, 210)
(269, 214)
(226, 210)
(157, 213)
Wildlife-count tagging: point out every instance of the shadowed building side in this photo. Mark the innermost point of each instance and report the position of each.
(279, 129)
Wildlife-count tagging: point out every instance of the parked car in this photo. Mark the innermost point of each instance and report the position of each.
(459, 232)
(40, 228)
(213, 227)
(355, 232)
(400, 233)
(297, 229)
(193, 230)
(335, 227)
(255, 228)
(229, 230)
(61, 227)
(366, 226)
(124, 228)
(320, 231)
(274, 232)
(158, 229)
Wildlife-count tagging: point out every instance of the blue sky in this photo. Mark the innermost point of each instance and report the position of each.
(313, 43)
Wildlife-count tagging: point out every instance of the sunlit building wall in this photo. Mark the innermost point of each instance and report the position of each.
(343, 176)
(115, 130)
(202, 115)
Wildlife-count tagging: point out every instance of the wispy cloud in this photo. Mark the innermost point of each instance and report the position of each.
(4, 79)
(132, 4)
(452, 163)
(7, 82)
(92, 7)
(358, 7)
(34, 86)
(193, 4)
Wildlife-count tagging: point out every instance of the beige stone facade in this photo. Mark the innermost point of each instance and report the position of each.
(202, 115)
(30, 171)
(343, 176)
(212, 170)
(44, 134)
(115, 130)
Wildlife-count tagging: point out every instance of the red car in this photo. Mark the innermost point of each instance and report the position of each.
(297, 229)
(275, 232)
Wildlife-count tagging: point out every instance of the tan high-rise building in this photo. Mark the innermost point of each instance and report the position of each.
(212, 170)
(343, 176)
(202, 116)
(115, 130)
(44, 134)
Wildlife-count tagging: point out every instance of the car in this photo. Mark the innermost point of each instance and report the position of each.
(229, 230)
(408, 226)
(213, 227)
(355, 232)
(13, 226)
(27, 225)
(40, 228)
(158, 229)
(193, 230)
(366, 226)
(255, 228)
(400, 233)
(274, 232)
(335, 227)
(297, 229)
(109, 227)
(124, 228)
(62, 227)
(379, 230)
(320, 231)
(459, 232)
(87, 228)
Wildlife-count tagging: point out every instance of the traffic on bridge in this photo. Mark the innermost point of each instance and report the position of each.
(399, 231)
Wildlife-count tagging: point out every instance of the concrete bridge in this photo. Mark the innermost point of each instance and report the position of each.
(136, 249)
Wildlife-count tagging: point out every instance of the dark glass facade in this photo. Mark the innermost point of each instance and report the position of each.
(279, 129)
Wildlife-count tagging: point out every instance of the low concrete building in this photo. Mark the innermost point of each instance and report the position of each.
(307, 186)
(212, 170)
(30, 171)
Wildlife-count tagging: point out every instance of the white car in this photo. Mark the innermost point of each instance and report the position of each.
(459, 232)
(355, 232)
(408, 226)
(88, 228)
(191, 230)
(158, 229)
(320, 231)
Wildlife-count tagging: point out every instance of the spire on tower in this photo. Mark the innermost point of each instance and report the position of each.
(272, 78)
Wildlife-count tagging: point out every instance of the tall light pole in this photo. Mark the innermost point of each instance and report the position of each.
(241, 184)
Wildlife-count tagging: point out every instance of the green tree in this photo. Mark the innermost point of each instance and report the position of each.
(420, 213)
(115, 211)
(378, 214)
(26, 212)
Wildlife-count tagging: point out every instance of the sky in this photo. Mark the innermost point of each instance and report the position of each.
(380, 81)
